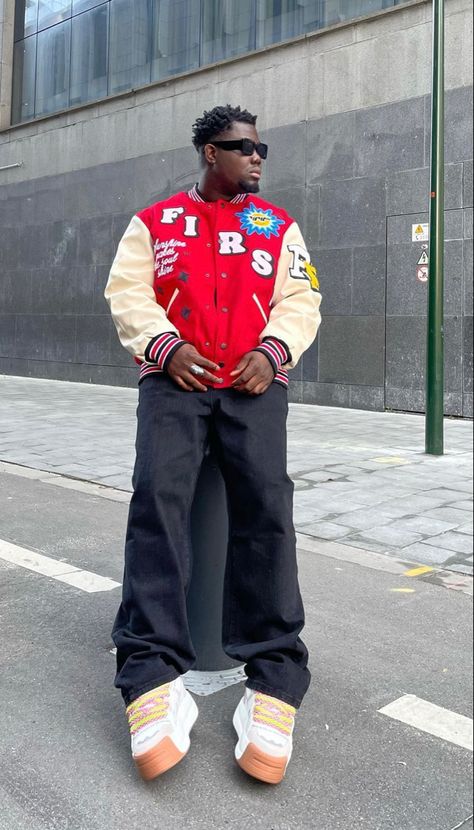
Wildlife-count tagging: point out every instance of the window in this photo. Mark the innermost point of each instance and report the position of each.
(52, 72)
(51, 12)
(68, 52)
(24, 74)
(228, 29)
(89, 55)
(175, 37)
(130, 44)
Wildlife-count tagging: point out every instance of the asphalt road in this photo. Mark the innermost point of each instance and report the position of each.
(65, 762)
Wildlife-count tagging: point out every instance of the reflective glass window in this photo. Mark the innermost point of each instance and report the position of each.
(335, 11)
(130, 44)
(79, 6)
(24, 68)
(89, 55)
(26, 18)
(51, 12)
(175, 37)
(228, 28)
(71, 51)
(52, 74)
(279, 20)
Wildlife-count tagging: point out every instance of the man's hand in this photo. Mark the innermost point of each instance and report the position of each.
(255, 374)
(179, 369)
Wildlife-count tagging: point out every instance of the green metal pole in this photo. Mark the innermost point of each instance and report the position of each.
(434, 442)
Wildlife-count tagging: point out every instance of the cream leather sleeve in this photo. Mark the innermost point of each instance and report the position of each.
(295, 316)
(129, 292)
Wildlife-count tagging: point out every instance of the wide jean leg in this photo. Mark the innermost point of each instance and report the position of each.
(263, 610)
(151, 629)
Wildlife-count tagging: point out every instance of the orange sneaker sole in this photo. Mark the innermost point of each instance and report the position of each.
(158, 760)
(266, 768)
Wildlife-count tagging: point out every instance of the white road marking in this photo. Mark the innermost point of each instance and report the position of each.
(426, 716)
(87, 581)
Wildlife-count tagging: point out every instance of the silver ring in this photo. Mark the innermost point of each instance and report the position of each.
(196, 370)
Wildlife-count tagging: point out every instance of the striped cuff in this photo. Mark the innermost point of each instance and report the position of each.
(161, 349)
(276, 351)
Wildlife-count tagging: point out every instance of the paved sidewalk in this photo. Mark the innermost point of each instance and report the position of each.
(361, 478)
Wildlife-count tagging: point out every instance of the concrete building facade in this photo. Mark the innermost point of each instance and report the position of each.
(346, 112)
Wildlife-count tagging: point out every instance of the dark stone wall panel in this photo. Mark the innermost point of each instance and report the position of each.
(335, 278)
(330, 148)
(467, 356)
(467, 184)
(369, 280)
(389, 138)
(352, 212)
(351, 351)
(288, 150)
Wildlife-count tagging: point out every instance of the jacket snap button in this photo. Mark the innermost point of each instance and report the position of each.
(207, 344)
(225, 310)
(224, 275)
(223, 345)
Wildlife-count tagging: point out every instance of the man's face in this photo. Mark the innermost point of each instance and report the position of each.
(233, 172)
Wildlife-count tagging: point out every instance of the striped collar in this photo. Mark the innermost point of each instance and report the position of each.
(195, 195)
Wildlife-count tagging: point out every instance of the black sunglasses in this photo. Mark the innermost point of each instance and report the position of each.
(246, 145)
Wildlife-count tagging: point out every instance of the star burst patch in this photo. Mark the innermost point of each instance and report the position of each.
(258, 220)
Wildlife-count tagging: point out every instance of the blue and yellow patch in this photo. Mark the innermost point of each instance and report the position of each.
(260, 221)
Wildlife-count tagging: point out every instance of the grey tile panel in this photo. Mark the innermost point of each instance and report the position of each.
(467, 223)
(327, 394)
(408, 191)
(406, 353)
(7, 334)
(467, 366)
(60, 338)
(369, 280)
(331, 148)
(468, 405)
(295, 200)
(310, 363)
(458, 125)
(352, 212)
(389, 138)
(335, 278)
(288, 148)
(468, 275)
(351, 350)
(467, 184)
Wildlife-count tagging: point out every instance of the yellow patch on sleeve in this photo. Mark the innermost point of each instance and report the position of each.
(312, 273)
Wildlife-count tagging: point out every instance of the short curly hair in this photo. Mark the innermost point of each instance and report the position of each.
(217, 121)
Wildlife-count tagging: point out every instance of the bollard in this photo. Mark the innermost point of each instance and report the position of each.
(209, 539)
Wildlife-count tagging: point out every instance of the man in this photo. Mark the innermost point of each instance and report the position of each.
(214, 294)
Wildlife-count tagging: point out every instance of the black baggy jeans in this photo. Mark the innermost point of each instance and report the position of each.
(263, 611)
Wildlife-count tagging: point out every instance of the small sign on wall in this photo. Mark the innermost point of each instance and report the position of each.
(420, 232)
(422, 273)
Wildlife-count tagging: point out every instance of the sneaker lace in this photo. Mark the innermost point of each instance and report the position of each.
(274, 713)
(149, 708)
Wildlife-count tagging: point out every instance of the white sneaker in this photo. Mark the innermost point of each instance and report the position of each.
(265, 726)
(160, 722)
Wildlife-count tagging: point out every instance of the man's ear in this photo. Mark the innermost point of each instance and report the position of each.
(210, 153)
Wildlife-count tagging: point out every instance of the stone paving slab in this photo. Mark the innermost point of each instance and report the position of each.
(361, 478)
